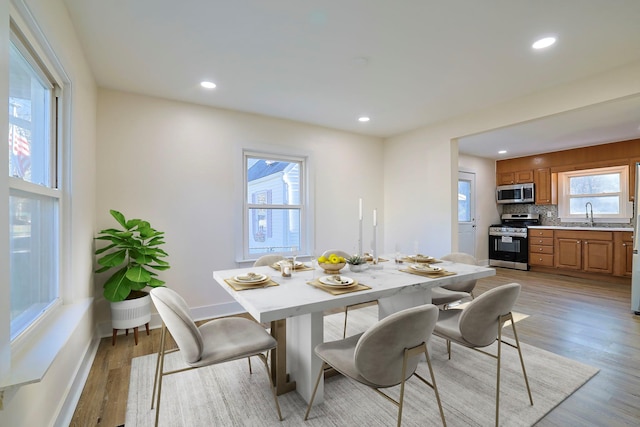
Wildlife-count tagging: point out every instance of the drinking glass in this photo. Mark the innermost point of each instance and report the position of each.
(294, 255)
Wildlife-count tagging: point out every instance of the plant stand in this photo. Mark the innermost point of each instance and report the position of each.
(130, 314)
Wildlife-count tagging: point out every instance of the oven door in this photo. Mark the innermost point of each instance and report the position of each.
(509, 251)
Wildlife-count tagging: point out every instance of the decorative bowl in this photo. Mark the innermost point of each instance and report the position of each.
(332, 268)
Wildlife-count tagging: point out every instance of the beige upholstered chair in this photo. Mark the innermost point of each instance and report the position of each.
(217, 341)
(386, 355)
(480, 324)
(267, 260)
(447, 294)
(461, 258)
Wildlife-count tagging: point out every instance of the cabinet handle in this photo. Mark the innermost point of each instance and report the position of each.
(624, 244)
(586, 242)
(577, 242)
(540, 249)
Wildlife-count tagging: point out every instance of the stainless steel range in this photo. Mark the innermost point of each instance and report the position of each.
(509, 243)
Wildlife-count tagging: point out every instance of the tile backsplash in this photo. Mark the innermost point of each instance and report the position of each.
(553, 220)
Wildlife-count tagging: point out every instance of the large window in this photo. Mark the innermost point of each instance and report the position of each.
(274, 205)
(34, 199)
(603, 191)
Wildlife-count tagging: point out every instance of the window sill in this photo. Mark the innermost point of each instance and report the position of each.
(32, 363)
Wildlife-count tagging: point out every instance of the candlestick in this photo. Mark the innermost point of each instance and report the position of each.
(375, 217)
(360, 209)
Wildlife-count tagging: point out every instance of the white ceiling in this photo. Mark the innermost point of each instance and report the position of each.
(406, 64)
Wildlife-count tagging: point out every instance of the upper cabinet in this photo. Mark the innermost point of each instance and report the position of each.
(517, 177)
(541, 169)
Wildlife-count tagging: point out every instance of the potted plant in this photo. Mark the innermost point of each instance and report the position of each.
(357, 263)
(134, 251)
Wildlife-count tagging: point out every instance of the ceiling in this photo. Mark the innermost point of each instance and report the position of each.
(404, 64)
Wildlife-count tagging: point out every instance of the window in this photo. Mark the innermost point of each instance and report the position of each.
(273, 208)
(34, 199)
(603, 190)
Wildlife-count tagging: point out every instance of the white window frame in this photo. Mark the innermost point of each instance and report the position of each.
(44, 67)
(625, 207)
(303, 205)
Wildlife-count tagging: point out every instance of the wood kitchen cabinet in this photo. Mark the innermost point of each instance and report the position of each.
(517, 177)
(545, 187)
(541, 247)
(623, 253)
(587, 251)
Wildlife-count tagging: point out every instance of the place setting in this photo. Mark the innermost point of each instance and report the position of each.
(420, 259)
(295, 266)
(337, 284)
(250, 280)
(427, 270)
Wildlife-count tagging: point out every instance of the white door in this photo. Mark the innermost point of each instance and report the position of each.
(467, 212)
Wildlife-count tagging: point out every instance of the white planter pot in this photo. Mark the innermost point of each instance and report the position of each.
(131, 313)
(358, 268)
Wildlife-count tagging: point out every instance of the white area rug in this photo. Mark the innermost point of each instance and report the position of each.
(226, 395)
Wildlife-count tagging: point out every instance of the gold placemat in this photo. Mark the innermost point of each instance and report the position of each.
(370, 261)
(413, 261)
(237, 286)
(339, 291)
(302, 267)
(432, 274)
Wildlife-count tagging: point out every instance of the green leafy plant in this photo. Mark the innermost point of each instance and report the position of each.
(356, 260)
(134, 250)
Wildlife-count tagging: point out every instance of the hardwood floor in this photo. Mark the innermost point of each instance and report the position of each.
(586, 320)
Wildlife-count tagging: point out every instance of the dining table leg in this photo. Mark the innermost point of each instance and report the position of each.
(279, 373)
(305, 332)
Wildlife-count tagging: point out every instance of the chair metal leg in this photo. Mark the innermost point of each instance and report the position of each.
(524, 371)
(160, 354)
(434, 386)
(249, 360)
(498, 372)
(273, 389)
(313, 395)
(344, 331)
(159, 377)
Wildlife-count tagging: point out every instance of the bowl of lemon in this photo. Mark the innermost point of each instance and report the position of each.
(332, 264)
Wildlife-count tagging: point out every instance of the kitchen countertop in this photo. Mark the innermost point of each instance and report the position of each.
(585, 228)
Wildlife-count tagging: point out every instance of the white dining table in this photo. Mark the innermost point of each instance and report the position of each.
(295, 310)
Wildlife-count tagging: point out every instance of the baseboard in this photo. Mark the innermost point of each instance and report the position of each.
(65, 415)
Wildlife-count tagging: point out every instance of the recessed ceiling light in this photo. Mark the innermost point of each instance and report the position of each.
(207, 85)
(545, 42)
(502, 152)
(363, 119)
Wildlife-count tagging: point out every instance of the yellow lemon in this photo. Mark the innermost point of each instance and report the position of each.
(323, 259)
(334, 259)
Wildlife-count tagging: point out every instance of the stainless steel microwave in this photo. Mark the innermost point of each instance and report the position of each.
(516, 193)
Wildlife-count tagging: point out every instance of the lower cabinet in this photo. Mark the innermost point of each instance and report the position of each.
(623, 253)
(587, 251)
(541, 247)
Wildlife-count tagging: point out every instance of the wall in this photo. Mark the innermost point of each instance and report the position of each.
(487, 212)
(421, 166)
(179, 166)
(52, 401)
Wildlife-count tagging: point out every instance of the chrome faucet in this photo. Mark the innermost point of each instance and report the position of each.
(590, 210)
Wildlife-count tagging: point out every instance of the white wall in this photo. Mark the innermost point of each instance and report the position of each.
(176, 165)
(49, 401)
(421, 167)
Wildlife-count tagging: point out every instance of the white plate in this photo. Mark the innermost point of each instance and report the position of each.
(330, 281)
(248, 278)
(426, 268)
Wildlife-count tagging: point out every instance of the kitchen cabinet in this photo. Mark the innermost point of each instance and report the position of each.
(541, 247)
(623, 253)
(544, 186)
(586, 251)
(517, 177)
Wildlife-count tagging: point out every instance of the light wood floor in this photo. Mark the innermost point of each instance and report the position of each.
(588, 321)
